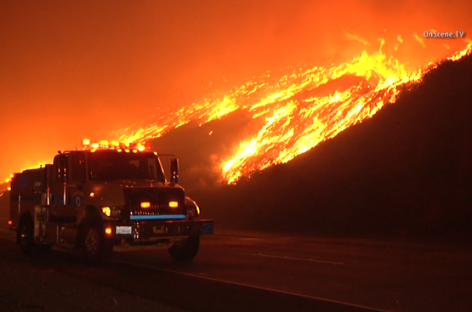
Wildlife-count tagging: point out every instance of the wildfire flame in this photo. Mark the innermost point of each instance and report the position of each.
(295, 118)
(294, 112)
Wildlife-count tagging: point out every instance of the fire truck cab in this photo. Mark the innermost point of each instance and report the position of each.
(105, 198)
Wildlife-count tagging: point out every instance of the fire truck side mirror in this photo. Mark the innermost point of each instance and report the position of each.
(174, 170)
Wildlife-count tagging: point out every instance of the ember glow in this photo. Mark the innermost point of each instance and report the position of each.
(294, 112)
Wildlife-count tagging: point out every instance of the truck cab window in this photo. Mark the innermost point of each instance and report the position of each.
(77, 166)
(110, 165)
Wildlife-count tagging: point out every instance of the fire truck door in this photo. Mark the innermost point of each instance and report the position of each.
(77, 178)
(62, 209)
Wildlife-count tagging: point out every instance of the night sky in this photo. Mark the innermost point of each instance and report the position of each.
(75, 69)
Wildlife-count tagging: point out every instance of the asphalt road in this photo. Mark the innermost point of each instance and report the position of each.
(237, 271)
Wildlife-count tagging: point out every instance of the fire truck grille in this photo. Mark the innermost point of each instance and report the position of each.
(157, 198)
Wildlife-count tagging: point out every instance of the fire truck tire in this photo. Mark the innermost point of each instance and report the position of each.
(186, 250)
(45, 249)
(95, 248)
(26, 235)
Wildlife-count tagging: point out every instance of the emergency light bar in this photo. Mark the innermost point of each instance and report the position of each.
(115, 145)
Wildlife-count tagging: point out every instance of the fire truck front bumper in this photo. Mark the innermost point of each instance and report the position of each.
(149, 231)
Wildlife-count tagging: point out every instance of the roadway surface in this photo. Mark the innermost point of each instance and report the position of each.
(241, 271)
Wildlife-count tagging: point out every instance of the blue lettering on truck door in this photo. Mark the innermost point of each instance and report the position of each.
(23, 181)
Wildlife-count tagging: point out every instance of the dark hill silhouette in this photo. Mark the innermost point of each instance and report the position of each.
(197, 149)
(406, 171)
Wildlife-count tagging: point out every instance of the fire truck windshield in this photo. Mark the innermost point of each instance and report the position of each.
(112, 165)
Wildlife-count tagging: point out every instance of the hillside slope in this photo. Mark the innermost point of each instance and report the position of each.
(406, 171)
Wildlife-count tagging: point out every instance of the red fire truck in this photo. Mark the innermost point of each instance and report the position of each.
(102, 198)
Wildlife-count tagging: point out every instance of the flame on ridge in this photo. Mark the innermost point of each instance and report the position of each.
(294, 115)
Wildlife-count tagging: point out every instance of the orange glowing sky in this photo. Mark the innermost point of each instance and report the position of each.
(74, 69)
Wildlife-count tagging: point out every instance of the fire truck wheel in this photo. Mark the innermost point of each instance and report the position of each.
(95, 248)
(186, 250)
(25, 234)
(45, 249)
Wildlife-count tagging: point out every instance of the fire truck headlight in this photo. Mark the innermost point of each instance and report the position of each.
(173, 204)
(113, 212)
(106, 211)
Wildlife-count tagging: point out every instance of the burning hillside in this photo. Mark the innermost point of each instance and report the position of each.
(290, 111)
(295, 109)
(406, 171)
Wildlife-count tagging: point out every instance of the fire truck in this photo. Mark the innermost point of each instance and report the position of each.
(104, 198)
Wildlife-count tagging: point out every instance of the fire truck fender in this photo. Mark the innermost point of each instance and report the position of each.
(89, 214)
(191, 207)
(25, 217)
(90, 217)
